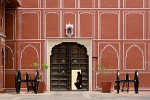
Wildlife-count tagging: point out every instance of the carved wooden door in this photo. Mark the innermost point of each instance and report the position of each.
(66, 57)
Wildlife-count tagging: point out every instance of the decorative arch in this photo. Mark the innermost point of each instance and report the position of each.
(112, 57)
(66, 59)
(9, 56)
(130, 58)
(25, 55)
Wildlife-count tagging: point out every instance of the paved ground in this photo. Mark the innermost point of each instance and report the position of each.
(74, 95)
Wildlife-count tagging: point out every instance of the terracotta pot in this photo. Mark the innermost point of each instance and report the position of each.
(42, 87)
(106, 86)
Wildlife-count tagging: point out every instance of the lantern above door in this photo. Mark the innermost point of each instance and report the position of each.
(69, 30)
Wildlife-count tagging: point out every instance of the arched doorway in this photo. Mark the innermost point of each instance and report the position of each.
(66, 58)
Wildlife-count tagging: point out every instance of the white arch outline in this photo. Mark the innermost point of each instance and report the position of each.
(13, 58)
(37, 54)
(126, 55)
(109, 45)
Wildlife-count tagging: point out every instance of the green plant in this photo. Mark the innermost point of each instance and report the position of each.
(103, 70)
(45, 66)
(35, 64)
(105, 83)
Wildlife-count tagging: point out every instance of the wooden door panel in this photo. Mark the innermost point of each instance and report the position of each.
(66, 57)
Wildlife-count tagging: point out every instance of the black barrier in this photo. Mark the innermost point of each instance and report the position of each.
(31, 83)
(127, 80)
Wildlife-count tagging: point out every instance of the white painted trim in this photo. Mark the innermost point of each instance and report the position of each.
(78, 8)
(60, 3)
(75, 38)
(148, 56)
(2, 23)
(60, 23)
(94, 47)
(149, 23)
(63, 4)
(39, 4)
(78, 25)
(119, 3)
(122, 39)
(78, 3)
(25, 39)
(97, 87)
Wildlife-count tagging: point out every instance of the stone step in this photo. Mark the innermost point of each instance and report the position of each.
(2, 90)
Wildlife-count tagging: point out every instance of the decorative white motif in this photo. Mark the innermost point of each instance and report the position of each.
(3, 40)
(69, 30)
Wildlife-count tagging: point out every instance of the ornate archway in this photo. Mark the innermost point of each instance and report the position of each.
(66, 58)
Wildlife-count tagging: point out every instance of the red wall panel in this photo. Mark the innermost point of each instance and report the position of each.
(52, 24)
(133, 3)
(134, 25)
(69, 3)
(86, 3)
(86, 24)
(52, 3)
(10, 80)
(108, 3)
(109, 25)
(144, 78)
(9, 31)
(30, 3)
(30, 25)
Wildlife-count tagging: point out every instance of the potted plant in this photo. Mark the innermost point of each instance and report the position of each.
(42, 85)
(105, 85)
